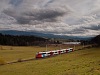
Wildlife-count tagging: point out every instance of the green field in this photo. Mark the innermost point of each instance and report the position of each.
(82, 62)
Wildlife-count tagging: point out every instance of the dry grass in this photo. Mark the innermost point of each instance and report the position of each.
(12, 53)
(2, 61)
(83, 62)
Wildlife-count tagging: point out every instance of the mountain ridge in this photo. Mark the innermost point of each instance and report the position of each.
(39, 34)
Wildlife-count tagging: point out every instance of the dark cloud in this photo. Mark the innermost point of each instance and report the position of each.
(23, 20)
(73, 17)
(76, 31)
(41, 15)
(48, 15)
(93, 27)
(81, 31)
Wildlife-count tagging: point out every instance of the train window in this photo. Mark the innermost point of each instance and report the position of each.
(55, 52)
(49, 53)
(43, 53)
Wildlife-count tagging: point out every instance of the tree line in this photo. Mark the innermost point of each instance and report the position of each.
(96, 40)
(21, 40)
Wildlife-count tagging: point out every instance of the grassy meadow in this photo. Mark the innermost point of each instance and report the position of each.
(82, 62)
(12, 53)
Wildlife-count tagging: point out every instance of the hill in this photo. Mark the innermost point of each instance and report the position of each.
(96, 40)
(39, 34)
(21, 40)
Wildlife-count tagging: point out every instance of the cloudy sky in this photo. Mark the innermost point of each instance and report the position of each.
(59, 17)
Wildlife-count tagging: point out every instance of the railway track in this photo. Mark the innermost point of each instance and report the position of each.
(30, 59)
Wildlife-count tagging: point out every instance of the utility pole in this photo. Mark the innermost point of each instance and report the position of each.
(46, 47)
(74, 46)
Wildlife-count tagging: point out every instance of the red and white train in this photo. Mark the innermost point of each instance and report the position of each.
(53, 53)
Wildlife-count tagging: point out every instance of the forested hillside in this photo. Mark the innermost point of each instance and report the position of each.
(96, 40)
(21, 40)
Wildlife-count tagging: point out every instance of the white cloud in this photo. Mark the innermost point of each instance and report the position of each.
(61, 17)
